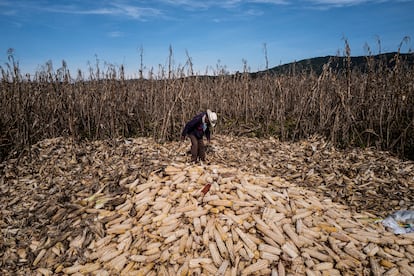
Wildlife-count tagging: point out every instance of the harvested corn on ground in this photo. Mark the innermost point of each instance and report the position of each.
(136, 207)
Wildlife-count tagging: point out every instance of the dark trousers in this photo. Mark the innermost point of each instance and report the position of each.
(197, 149)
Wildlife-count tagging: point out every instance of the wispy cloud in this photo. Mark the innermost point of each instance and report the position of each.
(343, 3)
(115, 34)
(276, 2)
(226, 4)
(114, 8)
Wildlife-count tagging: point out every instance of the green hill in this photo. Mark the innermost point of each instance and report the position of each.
(338, 63)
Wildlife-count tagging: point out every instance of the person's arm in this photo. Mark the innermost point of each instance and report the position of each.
(208, 134)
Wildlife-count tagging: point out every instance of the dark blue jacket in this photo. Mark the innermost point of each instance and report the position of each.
(195, 127)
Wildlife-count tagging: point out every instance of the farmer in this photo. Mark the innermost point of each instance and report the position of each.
(195, 129)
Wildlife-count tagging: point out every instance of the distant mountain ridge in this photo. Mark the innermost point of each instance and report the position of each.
(338, 63)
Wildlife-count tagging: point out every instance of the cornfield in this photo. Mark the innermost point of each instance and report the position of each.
(349, 107)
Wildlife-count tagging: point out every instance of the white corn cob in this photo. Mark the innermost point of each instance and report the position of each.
(146, 269)
(151, 251)
(270, 249)
(375, 268)
(277, 237)
(323, 266)
(118, 262)
(72, 269)
(317, 255)
(44, 271)
(39, 257)
(189, 243)
(138, 258)
(220, 245)
(243, 253)
(153, 257)
(233, 217)
(290, 249)
(392, 272)
(269, 256)
(196, 213)
(302, 214)
(255, 267)
(170, 239)
(249, 243)
(371, 249)
(210, 268)
(287, 228)
(223, 267)
(281, 269)
(186, 208)
(393, 252)
(171, 218)
(110, 255)
(215, 255)
(197, 262)
(182, 243)
(90, 267)
(353, 251)
(165, 255)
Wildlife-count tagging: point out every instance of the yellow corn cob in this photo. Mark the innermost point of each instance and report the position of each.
(221, 202)
(386, 263)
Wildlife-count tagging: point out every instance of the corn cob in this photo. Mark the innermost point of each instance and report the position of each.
(249, 243)
(255, 267)
(215, 255)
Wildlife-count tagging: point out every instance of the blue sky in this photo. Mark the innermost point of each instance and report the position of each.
(212, 32)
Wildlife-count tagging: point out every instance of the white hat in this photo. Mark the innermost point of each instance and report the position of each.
(212, 117)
